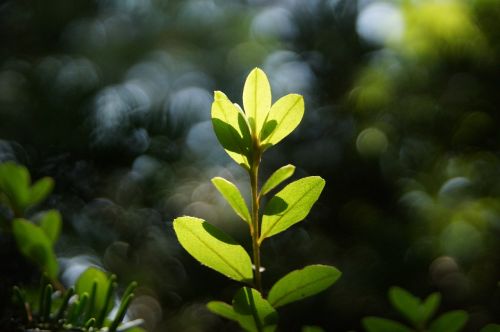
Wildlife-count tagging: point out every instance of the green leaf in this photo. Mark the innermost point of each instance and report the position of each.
(85, 283)
(429, 307)
(291, 205)
(303, 283)
(14, 183)
(407, 304)
(50, 223)
(284, 117)
(233, 197)
(36, 245)
(213, 248)
(231, 128)
(452, 321)
(376, 324)
(312, 328)
(491, 328)
(277, 177)
(40, 190)
(257, 99)
(223, 309)
(254, 312)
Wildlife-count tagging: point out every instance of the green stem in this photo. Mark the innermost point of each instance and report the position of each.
(254, 229)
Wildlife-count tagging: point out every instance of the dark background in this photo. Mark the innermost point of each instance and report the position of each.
(112, 99)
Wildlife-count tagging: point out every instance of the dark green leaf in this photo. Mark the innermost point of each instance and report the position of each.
(407, 304)
(491, 328)
(276, 178)
(291, 205)
(303, 283)
(233, 197)
(452, 321)
(312, 328)
(429, 307)
(376, 324)
(40, 190)
(213, 248)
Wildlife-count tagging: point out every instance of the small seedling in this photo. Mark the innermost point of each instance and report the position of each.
(418, 314)
(245, 136)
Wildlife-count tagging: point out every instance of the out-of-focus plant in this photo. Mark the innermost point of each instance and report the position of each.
(418, 313)
(83, 308)
(245, 136)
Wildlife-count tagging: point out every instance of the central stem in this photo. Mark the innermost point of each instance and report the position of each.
(254, 182)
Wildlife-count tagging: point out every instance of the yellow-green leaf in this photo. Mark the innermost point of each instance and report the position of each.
(50, 222)
(376, 324)
(291, 205)
(284, 117)
(276, 178)
(213, 248)
(222, 309)
(257, 99)
(255, 314)
(233, 196)
(40, 190)
(303, 283)
(84, 284)
(231, 128)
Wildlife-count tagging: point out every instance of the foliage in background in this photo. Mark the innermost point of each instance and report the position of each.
(245, 135)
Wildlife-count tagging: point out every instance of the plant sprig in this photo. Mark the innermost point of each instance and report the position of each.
(245, 136)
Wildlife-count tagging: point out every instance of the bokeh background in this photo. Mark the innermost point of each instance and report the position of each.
(112, 99)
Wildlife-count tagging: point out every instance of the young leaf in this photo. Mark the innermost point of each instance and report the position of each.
(276, 178)
(312, 328)
(14, 183)
(50, 222)
(303, 283)
(491, 328)
(291, 205)
(231, 129)
(407, 304)
(213, 248)
(254, 312)
(452, 321)
(284, 117)
(233, 197)
(40, 190)
(429, 307)
(376, 324)
(257, 99)
(223, 309)
(36, 245)
(85, 283)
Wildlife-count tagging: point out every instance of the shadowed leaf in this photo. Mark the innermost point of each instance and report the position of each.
(375, 324)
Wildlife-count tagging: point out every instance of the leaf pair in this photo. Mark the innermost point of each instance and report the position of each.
(237, 131)
(37, 241)
(418, 313)
(255, 313)
(16, 189)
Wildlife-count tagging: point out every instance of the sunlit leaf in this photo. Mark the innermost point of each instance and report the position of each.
(85, 283)
(284, 117)
(36, 245)
(254, 312)
(213, 248)
(223, 309)
(14, 183)
(231, 128)
(276, 178)
(291, 205)
(491, 328)
(50, 222)
(407, 304)
(376, 324)
(40, 190)
(233, 197)
(257, 99)
(303, 283)
(452, 321)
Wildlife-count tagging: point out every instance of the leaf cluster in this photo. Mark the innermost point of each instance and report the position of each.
(85, 307)
(245, 135)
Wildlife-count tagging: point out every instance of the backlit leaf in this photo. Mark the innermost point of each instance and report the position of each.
(303, 283)
(452, 321)
(376, 324)
(284, 117)
(233, 197)
(50, 222)
(291, 205)
(85, 283)
(276, 178)
(257, 99)
(36, 245)
(14, 183)
(254, 312)
(213, 248)
(231, 128)
(222, 309)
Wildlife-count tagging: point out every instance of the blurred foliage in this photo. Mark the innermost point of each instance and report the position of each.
(112, 100)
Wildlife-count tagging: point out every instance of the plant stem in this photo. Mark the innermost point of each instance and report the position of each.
(254, 229)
